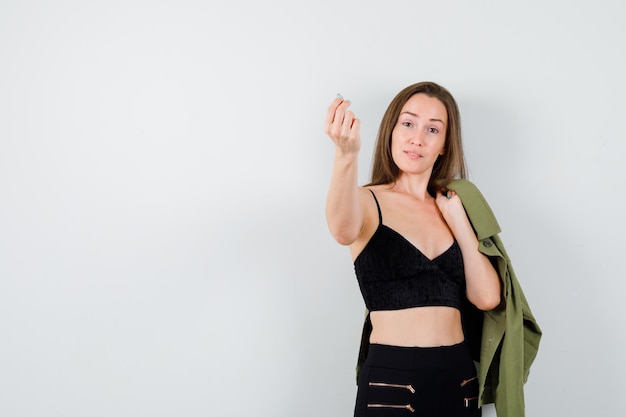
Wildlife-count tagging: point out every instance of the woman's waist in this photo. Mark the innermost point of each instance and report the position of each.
(417, 327)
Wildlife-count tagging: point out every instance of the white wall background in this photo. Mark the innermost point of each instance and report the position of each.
(163, 170)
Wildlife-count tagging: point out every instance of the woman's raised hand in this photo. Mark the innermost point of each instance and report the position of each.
(343, 127)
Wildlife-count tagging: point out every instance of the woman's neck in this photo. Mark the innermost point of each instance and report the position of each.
(415, 185)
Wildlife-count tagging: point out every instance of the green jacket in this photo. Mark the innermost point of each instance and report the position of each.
(504, 341)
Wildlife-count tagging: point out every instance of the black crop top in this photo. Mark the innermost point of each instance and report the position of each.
(394, 274)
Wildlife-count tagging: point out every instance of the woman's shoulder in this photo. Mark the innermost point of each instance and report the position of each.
(375, 191)
(376, 187)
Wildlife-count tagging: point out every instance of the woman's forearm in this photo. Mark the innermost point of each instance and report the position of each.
(343, 213)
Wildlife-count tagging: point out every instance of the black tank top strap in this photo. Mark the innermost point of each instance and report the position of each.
(380, 214)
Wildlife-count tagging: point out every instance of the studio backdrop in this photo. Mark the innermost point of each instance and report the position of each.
(163, 173)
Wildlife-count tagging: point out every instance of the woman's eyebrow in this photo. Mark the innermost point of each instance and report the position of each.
(415, 115)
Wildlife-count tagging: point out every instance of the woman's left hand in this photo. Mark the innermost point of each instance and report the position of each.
(450, 205)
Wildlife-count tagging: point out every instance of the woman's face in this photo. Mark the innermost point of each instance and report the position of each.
(419, 136)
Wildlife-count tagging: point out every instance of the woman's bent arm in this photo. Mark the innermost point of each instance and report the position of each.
(343, 208)
(483, 284)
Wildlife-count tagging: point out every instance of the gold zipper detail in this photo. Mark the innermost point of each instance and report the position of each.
(383, 384)
(467, 400)
(402, 407)
(466, 381)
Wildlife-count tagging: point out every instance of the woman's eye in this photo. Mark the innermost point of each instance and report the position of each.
(407, 124)
(433, 130)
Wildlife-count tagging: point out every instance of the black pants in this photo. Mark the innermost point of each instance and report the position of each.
(414, 381)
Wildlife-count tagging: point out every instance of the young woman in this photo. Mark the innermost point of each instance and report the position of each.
(415, 254)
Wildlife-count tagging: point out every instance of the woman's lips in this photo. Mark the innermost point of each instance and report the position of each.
(413, 155)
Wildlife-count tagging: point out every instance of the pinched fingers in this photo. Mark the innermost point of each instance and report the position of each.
(342, 126)
(335, 117)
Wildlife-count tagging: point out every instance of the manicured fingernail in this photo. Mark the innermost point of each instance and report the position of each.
(339, 96)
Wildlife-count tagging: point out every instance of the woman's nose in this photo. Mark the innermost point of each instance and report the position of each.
(416, 139)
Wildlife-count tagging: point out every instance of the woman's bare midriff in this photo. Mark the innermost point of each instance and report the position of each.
(418, 326)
